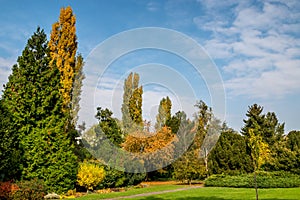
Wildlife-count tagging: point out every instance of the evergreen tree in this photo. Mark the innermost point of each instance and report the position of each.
(132, 102)
(266, 125)
(230, 154)
(33, 97)
(9, 147)
(164, 113)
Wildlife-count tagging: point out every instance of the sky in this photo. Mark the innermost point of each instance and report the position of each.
(251, 49)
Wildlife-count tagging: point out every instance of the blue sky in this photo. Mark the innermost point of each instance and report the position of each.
(255, 45)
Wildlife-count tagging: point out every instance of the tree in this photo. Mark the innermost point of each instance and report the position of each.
(164, 113)
(259, 151)
(230, 154)
(175, 121)
(9, 147)
(32, 96)
(109, 126)
(63, 47)
(190, 165)
(132, 102)
(266, 125)
(76, 90)
(155, 149)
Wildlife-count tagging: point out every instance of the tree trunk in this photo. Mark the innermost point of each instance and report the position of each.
(255, 185)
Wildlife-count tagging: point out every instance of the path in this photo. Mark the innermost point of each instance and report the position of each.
(154, 193)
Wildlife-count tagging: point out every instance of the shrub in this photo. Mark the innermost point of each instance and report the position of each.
(90, 175)
(264, 180)
(33, 190)
(7, 189)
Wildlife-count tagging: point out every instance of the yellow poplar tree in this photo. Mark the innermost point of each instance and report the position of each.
(63, 47)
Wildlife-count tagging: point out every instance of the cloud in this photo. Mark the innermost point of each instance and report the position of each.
(5, 70)
(257, 44)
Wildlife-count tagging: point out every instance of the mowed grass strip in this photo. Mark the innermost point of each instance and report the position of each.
(131, 191)
(205, 193)
(213, 193)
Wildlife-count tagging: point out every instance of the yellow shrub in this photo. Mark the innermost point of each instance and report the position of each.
(90, 175)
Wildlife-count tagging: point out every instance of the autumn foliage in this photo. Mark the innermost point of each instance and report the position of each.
(90, 175)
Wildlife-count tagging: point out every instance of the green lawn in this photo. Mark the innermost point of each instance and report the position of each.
(229, 193)
(207, 193)
(132, 191)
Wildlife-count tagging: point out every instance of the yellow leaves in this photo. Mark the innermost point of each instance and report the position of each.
(90, 175)
(145, 142)
(63, 47)
(260, 151)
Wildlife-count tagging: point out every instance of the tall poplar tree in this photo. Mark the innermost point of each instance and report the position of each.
(132, 102)
(63, 47)
(164, 113)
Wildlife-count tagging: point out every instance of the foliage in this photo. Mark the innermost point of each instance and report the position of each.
(191, 136)
(293, 140)
(33, 190)
(115, 178)
(264, 180)
(7, 189)
(9, 147)
(175, 121)
(90, 175)
(266, 125)
(32, 97)
(109, 126)
(132, 103)
(164, 113)
(76, 90)
(63, 46)
(156, 149)
(229, 154)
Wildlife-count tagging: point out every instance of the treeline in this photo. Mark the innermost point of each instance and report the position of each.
(38, 109)
(39, 112)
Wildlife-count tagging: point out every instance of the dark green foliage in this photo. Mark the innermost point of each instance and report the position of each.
(293, 140)
(109, 126)
(286, 154)
(114, 178)
(229, 154)
(33, 99)
(264, 180)
(266, 125)
(33, 190)
(9, 147)
(175, 121)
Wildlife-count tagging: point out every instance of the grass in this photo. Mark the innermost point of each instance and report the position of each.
(132, 191)
(213, 193)
(206, 193)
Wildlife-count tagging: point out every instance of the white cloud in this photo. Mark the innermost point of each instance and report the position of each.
(5, 70)
(258, 45)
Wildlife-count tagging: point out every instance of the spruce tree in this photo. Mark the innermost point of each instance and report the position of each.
(9, 147)
(33, 98)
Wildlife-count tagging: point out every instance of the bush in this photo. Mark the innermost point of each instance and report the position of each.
(7, 189)
(115, 178)
(33, 190)
(264, 180)
(90, 175)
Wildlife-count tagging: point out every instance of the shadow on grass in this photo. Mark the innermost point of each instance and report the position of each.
(204, 198)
